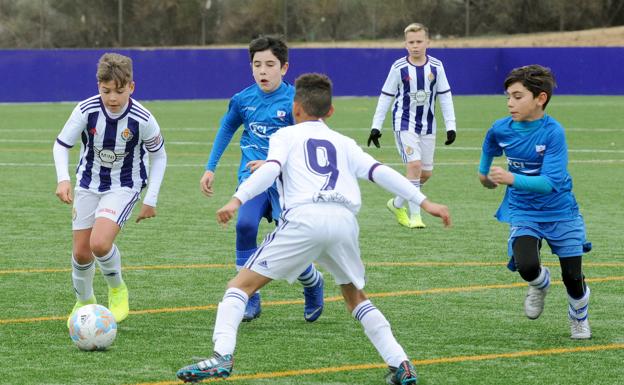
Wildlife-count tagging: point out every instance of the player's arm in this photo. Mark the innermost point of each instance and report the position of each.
(60, 151)
(229, 124)
(257, 183)
(446, 105)
(484, 170)
(383, 105)
(158, 163)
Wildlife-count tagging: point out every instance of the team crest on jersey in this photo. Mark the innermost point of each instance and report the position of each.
(409, 150)
(281, 114)
(540, 149)
(126, 135)
(431, 76)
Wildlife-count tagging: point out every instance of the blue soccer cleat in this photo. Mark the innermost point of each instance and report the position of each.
(217, 366)
(314, 301)
(405, 374)
(253, 309)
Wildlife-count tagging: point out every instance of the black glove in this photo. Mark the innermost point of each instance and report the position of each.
(450, 137)
(374, 137)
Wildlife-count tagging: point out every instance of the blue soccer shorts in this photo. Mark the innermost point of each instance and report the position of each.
(565, 238)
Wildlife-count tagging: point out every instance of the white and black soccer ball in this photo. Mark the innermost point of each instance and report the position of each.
(93, 327)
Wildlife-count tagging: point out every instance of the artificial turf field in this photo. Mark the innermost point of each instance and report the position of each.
(452, 304)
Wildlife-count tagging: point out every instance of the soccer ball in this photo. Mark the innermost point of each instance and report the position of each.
(92, 327)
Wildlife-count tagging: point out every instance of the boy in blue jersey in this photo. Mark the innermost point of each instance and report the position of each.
(538, 203)
(262, 108)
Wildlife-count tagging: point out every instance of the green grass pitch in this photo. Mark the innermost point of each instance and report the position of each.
(452, 304)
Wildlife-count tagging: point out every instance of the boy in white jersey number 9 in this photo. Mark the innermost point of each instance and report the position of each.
(414, 83)
(116, 135)
(318, 172)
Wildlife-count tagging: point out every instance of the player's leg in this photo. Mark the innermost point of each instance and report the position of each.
(567, 240)
(114, 208)
(404, 142)
(526, 255)
(423, 150)
(83, 265)
(377, 329)
(249, 216)
(229, 316)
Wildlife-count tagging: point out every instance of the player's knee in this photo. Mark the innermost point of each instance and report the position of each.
(247, 228)
(100, 246)
(526, 256)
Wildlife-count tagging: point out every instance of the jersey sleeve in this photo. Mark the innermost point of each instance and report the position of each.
(361, 163)
(279, 147)
(391, 85)
(490, 144)
(70, 133)
(151, 136)
(229, 124)
(442, 83)
(554, 166)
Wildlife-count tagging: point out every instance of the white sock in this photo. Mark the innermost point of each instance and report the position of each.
(398, 202)
(543, 279)
(110, 265)
(310, 277)
(414, 208)
(379, 333)
(82, 279)
(229, 316)
(578, 307)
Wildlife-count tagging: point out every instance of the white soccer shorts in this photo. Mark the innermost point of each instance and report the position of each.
(115, 205)
(326, 233)
(413, 147)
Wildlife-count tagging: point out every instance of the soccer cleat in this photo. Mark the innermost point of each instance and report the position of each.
(313, 300)
(580, 329)
(118, 302)
(534, 301)
(80, 304)
(399, 213)
(416, 222)
(405, 374)
(217, 366)
(253, 309)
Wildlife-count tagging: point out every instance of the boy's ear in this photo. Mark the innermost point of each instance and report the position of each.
(131, 86)
(284, 69)
(330, 112)
(541, 99)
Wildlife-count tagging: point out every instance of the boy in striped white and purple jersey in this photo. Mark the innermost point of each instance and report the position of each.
(414, 83)
(119, 141)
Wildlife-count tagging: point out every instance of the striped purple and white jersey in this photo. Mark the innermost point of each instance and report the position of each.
(415, 90)
(113, 152)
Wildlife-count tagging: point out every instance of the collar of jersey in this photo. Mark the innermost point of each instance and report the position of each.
(528, 127)
(120, 116)
(269, 94)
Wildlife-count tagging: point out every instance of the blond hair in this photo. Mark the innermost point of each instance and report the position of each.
(113, 66)
(416, 27)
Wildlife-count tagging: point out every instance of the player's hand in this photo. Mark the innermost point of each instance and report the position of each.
(487, 182)
(437, 210)
(374, 136)
(450, 137)
(255, 164)
(147, 211)
(205, 183)
(499, 175)
(225, 213)
(64, 191)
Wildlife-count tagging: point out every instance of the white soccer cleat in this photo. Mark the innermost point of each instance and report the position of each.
(534, 302)
(580, 330)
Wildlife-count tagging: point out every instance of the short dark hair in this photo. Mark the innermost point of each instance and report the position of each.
(314, 92)
(534, 78)
(277, 45)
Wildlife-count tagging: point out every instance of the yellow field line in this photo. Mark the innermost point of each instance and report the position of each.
(403, 293)
(231, 266)
(432, 361)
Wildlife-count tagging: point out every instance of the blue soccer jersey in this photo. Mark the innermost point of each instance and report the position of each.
(261, 114)
(541, 152)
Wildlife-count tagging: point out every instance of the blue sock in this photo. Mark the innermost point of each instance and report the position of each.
(242, 256)
(309, 277)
